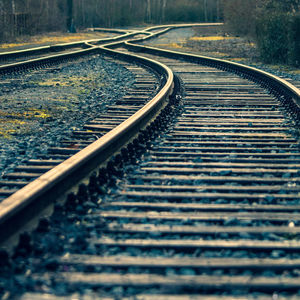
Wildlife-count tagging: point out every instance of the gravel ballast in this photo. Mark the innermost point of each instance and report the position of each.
(39, 107)
(43, 259)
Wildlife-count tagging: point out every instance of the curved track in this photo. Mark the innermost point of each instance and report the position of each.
(145, 87)
(202, 204)
(46, 52)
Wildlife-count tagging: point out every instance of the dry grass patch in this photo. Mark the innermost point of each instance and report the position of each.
(211, 38)
(52, 38)
(171, 45)
(9, 127)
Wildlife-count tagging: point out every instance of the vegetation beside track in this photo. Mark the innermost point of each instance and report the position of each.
(29, 17)
(216, 42)
(40, 107)
(273, 24)
(24, 42)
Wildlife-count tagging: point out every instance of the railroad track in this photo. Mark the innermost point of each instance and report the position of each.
(203, 203)
(40, 57)
(145, 87)
(24, 57)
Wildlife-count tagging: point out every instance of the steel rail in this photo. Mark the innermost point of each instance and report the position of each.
(150, 225)
(176, 26)
(124, 34)
(272, 82)
(43, 49)
(40, 192)
(91, 46)
(275, 84)
(166, 28)
(38, 188)
(59, 47)
(112, 30)
(22, 65)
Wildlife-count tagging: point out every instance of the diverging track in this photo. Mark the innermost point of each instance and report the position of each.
(203, 204)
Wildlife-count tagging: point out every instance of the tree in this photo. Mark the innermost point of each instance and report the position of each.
(240, 15)
(13, 6)
(279, 5)
(69, 14)
(148, 10)
(163, 14)
(205, 10)
(273, 24)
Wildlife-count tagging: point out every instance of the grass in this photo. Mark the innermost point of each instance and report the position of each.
(171, 45)
(210, 38)
(52, 38)
(12, 122)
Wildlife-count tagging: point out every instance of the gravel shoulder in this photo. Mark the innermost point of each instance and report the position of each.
(38, 108)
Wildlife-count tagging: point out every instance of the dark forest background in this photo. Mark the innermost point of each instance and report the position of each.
(274, 25)
(20, 17)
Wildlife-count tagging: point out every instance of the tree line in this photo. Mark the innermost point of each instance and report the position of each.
(273, 24)
(19, 17)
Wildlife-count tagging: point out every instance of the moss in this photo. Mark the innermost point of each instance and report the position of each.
(65, 82)
(31, 113)
(9, 127)
(171, 45)
(84, 84)
(12, 123)
(37, 113)
(239, 59)
(52, 98)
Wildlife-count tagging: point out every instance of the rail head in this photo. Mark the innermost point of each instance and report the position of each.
(22, 65)
(42, 49)
(124, 34)
(274, 83)
(184, 25)
(44, 189)
(156, 31)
